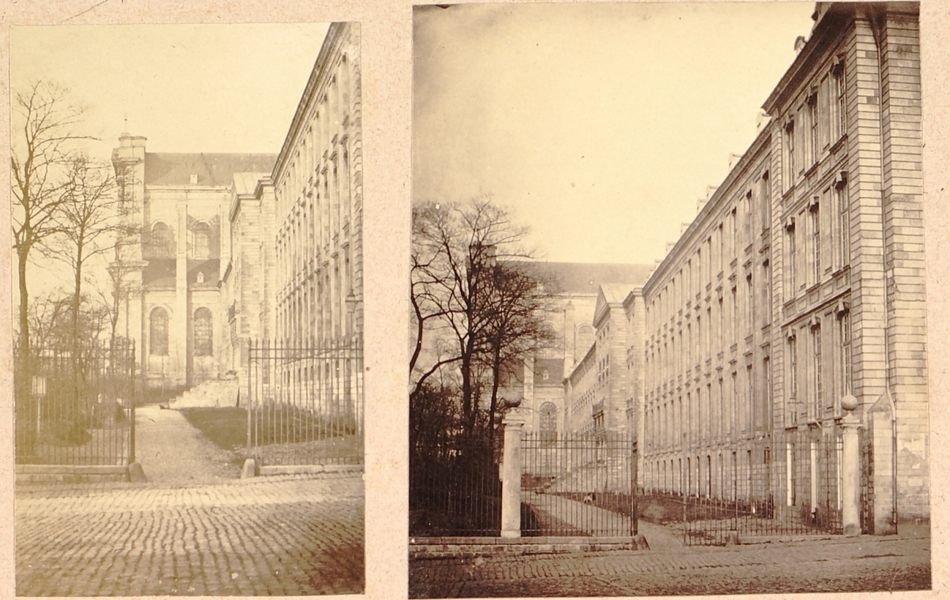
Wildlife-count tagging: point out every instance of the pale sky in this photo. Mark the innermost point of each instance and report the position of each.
(187, 88)
(600, 125)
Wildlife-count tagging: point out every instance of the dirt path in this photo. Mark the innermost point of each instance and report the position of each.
(174, 453)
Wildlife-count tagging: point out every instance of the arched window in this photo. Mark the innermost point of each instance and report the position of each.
(202, 233)
(204, 345)
(162, 243)
(548, 417)
(158, 332)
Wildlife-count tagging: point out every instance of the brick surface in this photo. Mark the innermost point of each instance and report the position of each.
(298, 535)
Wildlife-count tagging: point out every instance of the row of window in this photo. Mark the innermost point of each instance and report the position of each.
(818, 121)
(203, 332)
(818, 237)
(813, 472)
(161, 241)
(711, 413)
(808, 368)
(712, 256)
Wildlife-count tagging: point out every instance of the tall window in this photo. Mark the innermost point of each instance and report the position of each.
(158, 332)
(765, 200)
(844, 223)
(203, 332)
(816, 240)
(840, 104)
(844, 322)
(792, 373)
(790, 154)
(819, 389)
(162, 243)
(766, 392)
(202, 237)
(792, 259)
(750, 304)
(548, 421)
(813, 141)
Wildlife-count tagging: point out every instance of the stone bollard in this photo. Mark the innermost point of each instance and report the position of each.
(851, 468)
(511, 478)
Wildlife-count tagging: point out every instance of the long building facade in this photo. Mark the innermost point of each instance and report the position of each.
(798, 291)
(319, 185)
(238, 249)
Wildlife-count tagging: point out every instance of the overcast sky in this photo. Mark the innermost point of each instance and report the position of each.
(600, 125)
(187, 88)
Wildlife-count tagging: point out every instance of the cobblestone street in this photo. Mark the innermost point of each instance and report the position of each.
(193, 529)
(269, 536)
(839, 565)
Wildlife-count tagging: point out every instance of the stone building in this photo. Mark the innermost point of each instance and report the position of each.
(173, 306)
(575, 289)
(318, 180)
(800, 283)
(242, 247)
(601, 390)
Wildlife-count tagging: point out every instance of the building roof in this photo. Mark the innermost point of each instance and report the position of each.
(616, 293)
(246, 183)
(176, 168)
(586, 278)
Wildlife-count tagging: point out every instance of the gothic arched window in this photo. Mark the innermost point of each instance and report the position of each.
(158, 332)
(204, 345)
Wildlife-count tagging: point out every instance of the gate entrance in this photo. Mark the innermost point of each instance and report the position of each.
(305, 404)
(578, 485)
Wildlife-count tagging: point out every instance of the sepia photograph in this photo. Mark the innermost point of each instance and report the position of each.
(187, 292)
(668, 320)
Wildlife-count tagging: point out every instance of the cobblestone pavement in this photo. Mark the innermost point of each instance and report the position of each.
(268, 536)
(839, 565)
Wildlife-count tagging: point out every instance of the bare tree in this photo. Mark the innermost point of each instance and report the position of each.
(90, 225)
(466, 289)
(515, 325)
(42, 138)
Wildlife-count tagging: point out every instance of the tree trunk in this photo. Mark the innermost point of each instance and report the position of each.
(24, 342)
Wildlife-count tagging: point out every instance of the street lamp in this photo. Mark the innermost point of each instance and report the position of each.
(38, 389)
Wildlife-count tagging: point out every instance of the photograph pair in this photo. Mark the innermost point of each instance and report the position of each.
(665, 330)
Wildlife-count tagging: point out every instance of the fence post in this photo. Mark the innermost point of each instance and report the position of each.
(634, 490)
(851, 468)
(511, 477)
(132, 406)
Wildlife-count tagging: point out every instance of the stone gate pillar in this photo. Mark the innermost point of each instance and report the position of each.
(851, 468)
(511, 477)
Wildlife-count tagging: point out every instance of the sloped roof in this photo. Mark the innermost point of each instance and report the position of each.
(616, 293)
(176, 168)
(246, 183)
(587, 278)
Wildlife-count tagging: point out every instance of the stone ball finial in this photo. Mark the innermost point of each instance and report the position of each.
(849, 402)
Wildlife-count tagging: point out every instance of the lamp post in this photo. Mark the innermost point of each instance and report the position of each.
(38, 390)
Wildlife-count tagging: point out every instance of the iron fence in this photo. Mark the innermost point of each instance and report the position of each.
(578, 485)
(305, 403)
(786, 484)
(454, 487)
(75, 406)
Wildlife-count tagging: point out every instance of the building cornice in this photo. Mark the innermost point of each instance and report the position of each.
(318, 78)
(712, 207)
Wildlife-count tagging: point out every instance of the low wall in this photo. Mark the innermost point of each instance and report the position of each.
(70, 473)
(470, 547)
